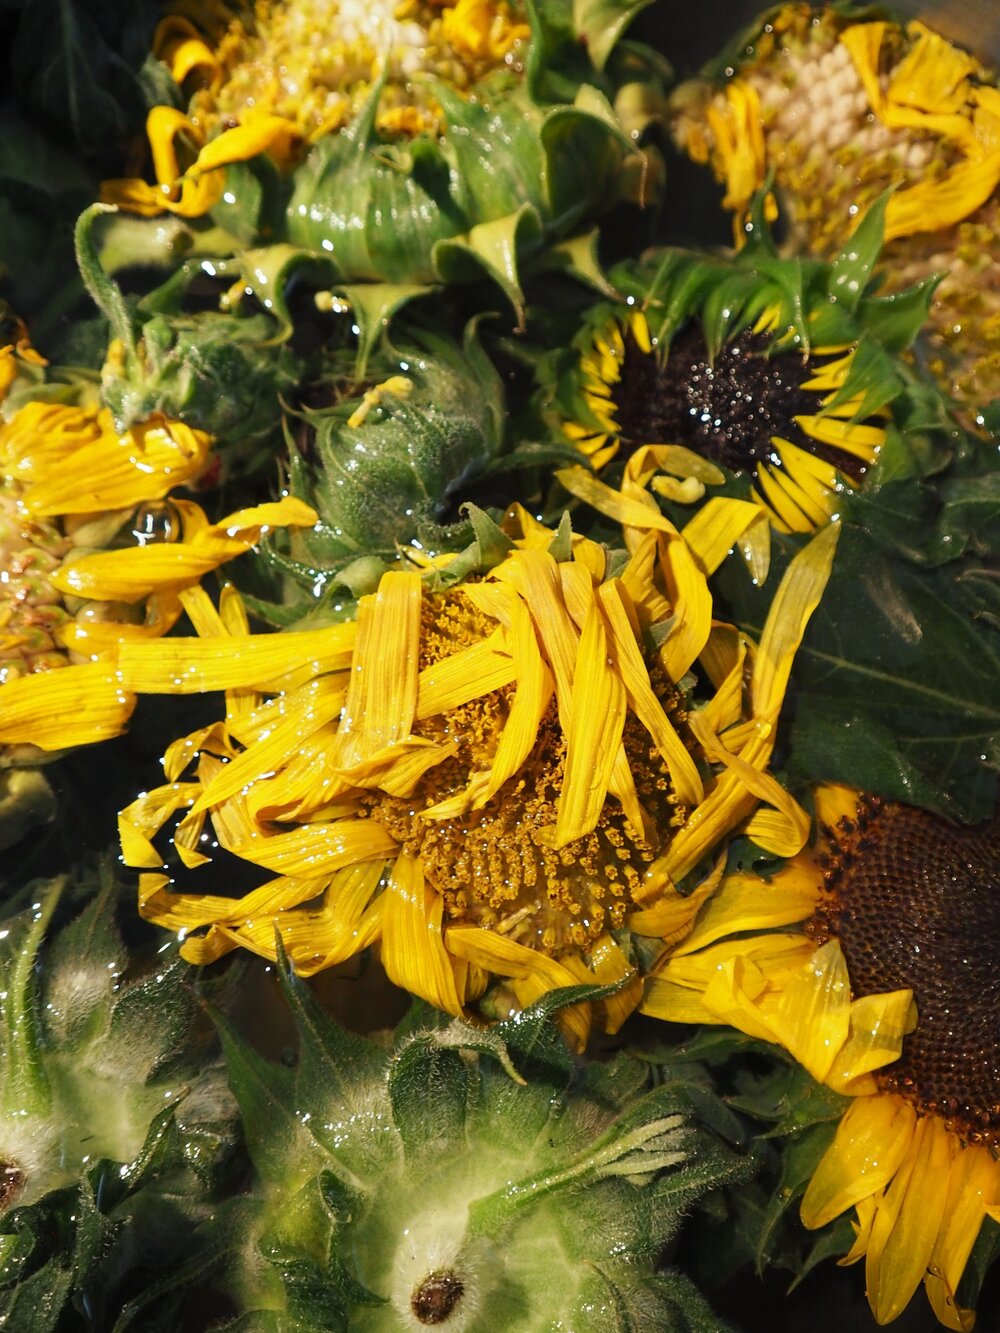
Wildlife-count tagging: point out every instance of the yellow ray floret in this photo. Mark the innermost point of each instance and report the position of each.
(512, 760)
(921, 1187)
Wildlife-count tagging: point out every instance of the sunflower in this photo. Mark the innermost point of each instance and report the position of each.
(835, 109)
(503, 777)
(399, 142)
(895, 908)
(782, 373)
(95, 548)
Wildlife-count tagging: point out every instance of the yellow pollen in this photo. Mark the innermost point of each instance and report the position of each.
(313, 62)
(492, 866)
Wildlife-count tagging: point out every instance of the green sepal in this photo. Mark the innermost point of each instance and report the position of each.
(24, 1084)
(267, 1100)
(851, 269)
(373, 306)
(602, 22)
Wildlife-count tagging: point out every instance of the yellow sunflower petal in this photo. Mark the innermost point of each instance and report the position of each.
(506, 958)
(67, 706)
(872, 1140)
(720, 524)
(797, 597)
(413, 949)
(630, 513)
(907, 1222)
(971, 1183)
(593, 736)
(123, 469)
(382, 696)
(641, 699)
(196, 666)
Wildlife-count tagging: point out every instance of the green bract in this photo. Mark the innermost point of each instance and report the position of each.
(390, 467)
(524, 156)
(459, 1178)
(111, 1119)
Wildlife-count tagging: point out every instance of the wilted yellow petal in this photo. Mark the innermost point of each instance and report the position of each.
(197, 666)
(629, 512)
(908, 1219)
(67, 706)
(382, 696)
(594, 735)
(413, 949)
(796, 599)
(873, 1138)
(641, 698)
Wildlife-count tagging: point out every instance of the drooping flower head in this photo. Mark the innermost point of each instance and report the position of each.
(420, 139)
(872, 960)
(835, 109)
(495, 774)
(783, 372)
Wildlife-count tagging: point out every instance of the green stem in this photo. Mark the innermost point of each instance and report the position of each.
(106, 293)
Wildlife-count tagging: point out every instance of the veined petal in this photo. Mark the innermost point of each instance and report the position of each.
(642, 514)
(139, 822)
(382, 696)
(722, 523)
(878, 1025)
(506, 958)
(464, 675)
(196, 666)
(609, 965)
(673, 916)
(744, 903)
(534, 690)
(971, 1184)
(413, 949)
(593, 737)
(797, 597)
(123, 469)
(67, 706)
(908, 1219)
(872, 1140)
(641, 699)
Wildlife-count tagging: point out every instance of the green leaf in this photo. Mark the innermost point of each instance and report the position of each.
(602, 22)
(895, 682)
(78, 64)
(429, 1086)
(268, 1104)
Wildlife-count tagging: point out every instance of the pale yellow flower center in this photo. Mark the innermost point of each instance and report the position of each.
(314, 62)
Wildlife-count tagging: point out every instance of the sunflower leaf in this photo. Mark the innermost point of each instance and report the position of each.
(896, 679)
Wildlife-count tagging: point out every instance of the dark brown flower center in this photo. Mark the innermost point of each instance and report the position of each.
(436, 1297)
(915, 902)
(728, 409)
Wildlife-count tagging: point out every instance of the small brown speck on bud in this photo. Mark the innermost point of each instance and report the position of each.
(436, 1297)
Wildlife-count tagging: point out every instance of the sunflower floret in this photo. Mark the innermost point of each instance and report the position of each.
(506, 776)
(790, 375)
(835, 107)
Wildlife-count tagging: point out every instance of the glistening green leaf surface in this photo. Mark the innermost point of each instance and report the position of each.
(896, 680)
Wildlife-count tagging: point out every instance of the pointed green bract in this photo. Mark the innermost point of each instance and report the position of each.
(115, 1123)
(477, 1180)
